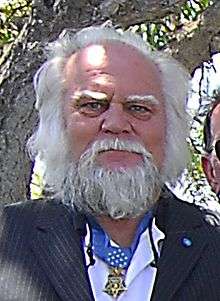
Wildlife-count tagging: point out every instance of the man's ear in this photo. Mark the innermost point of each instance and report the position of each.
(209, 171)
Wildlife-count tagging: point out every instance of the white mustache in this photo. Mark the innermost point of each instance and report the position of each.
(115, 144)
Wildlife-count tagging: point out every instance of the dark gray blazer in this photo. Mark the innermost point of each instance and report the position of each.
(41, 255)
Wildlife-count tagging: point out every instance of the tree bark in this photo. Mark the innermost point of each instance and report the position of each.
(198, 43)
(48, 19)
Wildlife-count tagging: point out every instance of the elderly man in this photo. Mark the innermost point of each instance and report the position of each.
(211, 160)
(112, 130)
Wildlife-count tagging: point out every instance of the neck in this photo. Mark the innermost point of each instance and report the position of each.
(121, 231)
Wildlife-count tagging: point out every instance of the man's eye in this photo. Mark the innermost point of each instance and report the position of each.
(92, 105)
(139, 109)
(92, 108)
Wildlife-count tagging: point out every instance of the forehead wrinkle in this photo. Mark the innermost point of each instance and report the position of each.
(144, 99)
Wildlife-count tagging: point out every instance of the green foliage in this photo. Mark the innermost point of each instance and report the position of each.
(173, 26)
(197, 185)
(13, 14)
(37, 185)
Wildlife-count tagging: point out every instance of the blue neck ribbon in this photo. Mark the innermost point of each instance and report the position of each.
(115, 256)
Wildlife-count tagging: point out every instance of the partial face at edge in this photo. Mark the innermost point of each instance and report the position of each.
(113, 91)
(211, 164)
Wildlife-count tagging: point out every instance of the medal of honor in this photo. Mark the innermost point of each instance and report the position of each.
(117, 258)
(115, 284)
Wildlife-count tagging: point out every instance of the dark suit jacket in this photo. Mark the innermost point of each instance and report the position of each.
(41, 255)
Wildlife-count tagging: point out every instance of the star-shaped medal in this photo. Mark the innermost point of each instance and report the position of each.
(115, 284)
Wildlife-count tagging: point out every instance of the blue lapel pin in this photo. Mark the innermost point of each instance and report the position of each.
(186, 242)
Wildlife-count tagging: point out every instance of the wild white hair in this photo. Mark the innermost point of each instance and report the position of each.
(49, 141)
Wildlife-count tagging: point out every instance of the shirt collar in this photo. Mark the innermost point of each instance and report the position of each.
(144, 244)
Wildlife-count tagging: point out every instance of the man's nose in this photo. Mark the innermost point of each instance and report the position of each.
(115, 120)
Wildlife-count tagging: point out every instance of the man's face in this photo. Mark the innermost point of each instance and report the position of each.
(113, 91)
(211, 164)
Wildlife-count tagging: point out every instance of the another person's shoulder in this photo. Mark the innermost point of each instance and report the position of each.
(208, 212)
(191, 214)
(207, 215)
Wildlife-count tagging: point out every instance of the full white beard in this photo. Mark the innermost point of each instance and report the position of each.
(120, 193)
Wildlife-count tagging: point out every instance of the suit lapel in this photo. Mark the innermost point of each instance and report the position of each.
(183, 246)
(176, 262)
(57, 245)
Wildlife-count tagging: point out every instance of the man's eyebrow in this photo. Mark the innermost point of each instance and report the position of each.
(89, 94)
(150, 99)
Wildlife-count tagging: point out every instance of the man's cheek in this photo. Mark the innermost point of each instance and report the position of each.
(217, 175)
(217, 169)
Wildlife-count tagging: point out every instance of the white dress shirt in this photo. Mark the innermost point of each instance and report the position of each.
(140, 275)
